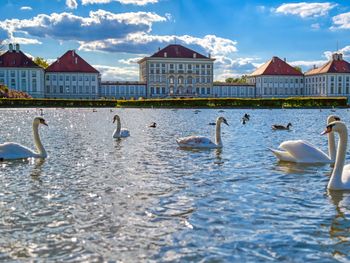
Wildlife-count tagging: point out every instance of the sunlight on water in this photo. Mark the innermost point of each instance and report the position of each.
(144, 199)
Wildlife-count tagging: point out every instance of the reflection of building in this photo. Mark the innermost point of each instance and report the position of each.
(19, 72)
(276, 78)
(331, 79)
(177, 71)
(122, 89)
(71, 77)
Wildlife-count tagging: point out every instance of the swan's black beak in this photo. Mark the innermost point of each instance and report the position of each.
(225, 121)
(327, 130)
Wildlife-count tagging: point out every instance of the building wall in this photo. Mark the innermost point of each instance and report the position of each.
(127, 90)
(166, 77)
(330, 84)
(29, 80)
(233, 91)
(269, 86)
(72, 85)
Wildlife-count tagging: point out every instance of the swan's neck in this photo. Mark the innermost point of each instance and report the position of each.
(218, 134)
(40, 148)
(119, 126)
(331, 146)
(336, 177)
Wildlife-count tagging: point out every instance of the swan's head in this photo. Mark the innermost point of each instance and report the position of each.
(116, 117)
(289, 124)
(222, 120)
(39, 120)
(335, 126)
(332, 118)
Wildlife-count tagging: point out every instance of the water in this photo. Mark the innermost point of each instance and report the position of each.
(141, 199)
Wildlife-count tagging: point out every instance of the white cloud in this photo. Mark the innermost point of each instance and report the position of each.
(109, 73)
(140, 43)
(316, 26)
(26, 8)
(124, 2)
(72, 4)
(100, 24)
(22, 41)
(304, 9)
(341, 21)
(130, 61)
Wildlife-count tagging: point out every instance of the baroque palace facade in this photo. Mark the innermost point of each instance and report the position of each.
(174, 71)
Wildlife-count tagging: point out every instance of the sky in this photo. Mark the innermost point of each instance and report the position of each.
(112, 35)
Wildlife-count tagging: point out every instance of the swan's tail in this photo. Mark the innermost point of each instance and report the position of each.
(282, 155)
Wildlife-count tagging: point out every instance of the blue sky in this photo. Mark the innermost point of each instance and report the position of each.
(113, 34)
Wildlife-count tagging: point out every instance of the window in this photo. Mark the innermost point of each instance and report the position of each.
(47, 76)
(163, 90)
(47, 89)
(171, 80)
(74, 89)
(2, 74)
(208, 90)
(67, 89)
(33, 74)
(93, 78)
(74, 78)
(12, 74)
(61, 89)
(86, 78)
(61, 78)
(67, 78)
(80, 78)
(87, 89)
(23, 74)
(54, 77)
(152, 90)
(80, 89)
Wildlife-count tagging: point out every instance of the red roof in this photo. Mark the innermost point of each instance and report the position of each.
(333, 66)
(177, 51)
(16, 59)
(276, 66)
(71, 62)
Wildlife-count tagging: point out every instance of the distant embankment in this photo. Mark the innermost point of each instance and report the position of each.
(56, 103)
(295, 102)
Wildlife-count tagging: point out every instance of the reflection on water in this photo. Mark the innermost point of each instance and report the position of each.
(142, 198)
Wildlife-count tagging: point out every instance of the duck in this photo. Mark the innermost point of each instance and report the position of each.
(340, 177)
(12, 150)
(119, 132)
(300, 151)
(153, 125)
(281, 127)
(204, 142)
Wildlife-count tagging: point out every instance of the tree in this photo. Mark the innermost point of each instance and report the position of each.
(242, 79)
(298, 68)
(41, 62)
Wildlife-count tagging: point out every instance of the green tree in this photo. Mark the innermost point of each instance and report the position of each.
(229, 80)
(298, 68)
(41, 62)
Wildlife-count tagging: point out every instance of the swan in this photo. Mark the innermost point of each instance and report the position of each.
(11, 150)
(281, 127)
(340, 178)
(201, 141)
(299, 151)
(119, 132)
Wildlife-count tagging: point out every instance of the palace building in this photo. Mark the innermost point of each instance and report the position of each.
(276, 78)
(19, 72)
(177, 71)
(331, 79)
(71, 77)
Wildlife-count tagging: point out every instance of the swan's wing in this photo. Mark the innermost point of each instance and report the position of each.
(283, 156)
(194, 141)
(12, 150)
(304, 152)
(346, 174)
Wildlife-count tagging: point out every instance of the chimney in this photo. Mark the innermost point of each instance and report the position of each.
(209, 55)
(158, 48)
(284, 59)
(314, 66)
(194, 55)
(165, 54)
(76, 60)
(17, 48)
(58, 60)
(10, 47)
(73, 53)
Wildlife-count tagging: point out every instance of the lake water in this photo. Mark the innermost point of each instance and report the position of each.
(142, 199)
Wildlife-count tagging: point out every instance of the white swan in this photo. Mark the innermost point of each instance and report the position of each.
(299, 151)
(201, 141)
(340, 178)
(11, 150)
(119, 132)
